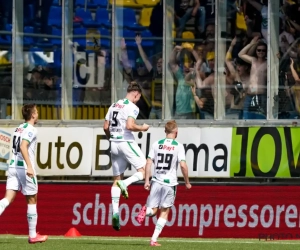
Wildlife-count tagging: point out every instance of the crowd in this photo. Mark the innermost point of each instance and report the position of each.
(192, 63)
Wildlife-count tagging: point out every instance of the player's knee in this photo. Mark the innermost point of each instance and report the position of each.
(154, 211)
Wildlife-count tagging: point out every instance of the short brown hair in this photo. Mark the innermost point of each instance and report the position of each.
(27, 111)
(133, 86)
(170, 126)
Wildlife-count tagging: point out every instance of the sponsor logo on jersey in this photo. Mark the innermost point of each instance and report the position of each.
(19, 130)
(117, 105)
(165, 147)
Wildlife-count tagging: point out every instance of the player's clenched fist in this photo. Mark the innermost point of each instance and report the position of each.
(145, 127)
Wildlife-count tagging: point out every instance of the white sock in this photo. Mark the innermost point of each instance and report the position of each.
(3, 204)
(32, 219)
(138, 176)
(158, 228)
(115, 198)
(149, 211)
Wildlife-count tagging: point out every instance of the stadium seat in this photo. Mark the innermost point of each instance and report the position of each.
(126, 18)
(56, 41)
(56, 2)
(55, 16)
(4, 42)
(27, 39)
(80, 36)
(129, 37)
(105, 38)
(8, 37)
(101, 3)
(87, 18)
(57, 58)
(125, 3)
(81, 3)
(146, 38)
(150, 3)
(145, 16)
(30, 15)
(102, 18)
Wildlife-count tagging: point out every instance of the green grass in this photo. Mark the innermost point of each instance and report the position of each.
(13, 242)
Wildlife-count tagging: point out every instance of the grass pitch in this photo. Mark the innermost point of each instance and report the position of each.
(14, 242)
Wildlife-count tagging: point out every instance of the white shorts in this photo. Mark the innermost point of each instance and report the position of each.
(17, 180)
(161, 195)
(124, 152)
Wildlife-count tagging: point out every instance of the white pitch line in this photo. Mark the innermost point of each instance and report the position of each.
(95, 238)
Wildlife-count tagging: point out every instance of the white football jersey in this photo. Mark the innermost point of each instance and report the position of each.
(24, 132)
(117, 116)
(166, 155)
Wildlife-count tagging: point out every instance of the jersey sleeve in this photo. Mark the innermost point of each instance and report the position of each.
(107, 116)
(29, 134)
(133, 111)
(181, 153)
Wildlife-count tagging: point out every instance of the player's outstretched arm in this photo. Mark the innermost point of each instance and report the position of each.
(132, 126)
(184, 170)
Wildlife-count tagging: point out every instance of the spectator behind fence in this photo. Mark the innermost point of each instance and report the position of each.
(256, 97)
(184, 12)
(203, 90)
(240, 75)
(184, 95)
(141, 76)
(156, 84)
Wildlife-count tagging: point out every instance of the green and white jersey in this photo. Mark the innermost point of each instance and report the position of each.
(117, 115)
(166, 155)
(24, 132)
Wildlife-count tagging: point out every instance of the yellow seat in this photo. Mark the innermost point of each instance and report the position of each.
(188, 35)
(125, 3)
(149, 3)
(145, 17)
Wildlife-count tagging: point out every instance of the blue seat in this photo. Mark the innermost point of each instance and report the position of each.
(91, 4)
(80, 36)
(101, 3)
(81, 3)
(87, 18)
(129, 37)
(27, 39)
(56, 32)
(146, 38)
(105, 38)
(55, 16)
(56, 2)
(126, 18)
(4, 42)
(102, 18)
(30, 14)
(8, 27)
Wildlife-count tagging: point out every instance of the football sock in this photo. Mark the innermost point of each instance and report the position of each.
(32, 219)
(115, 198)
(138, 176)
(3, 204)
(158, 228)
(149, 211)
